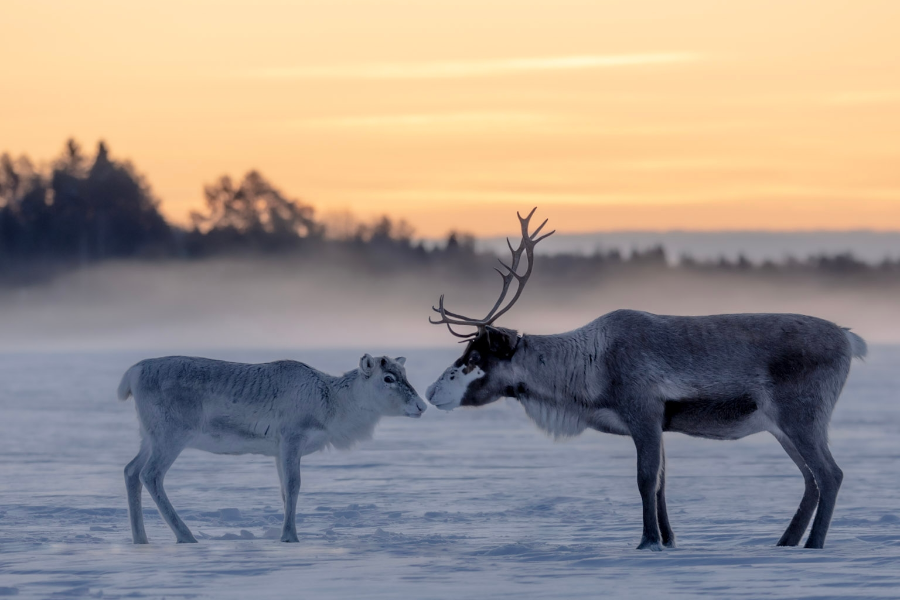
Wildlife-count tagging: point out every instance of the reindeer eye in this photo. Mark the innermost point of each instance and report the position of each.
(474, 358)
(390, 379)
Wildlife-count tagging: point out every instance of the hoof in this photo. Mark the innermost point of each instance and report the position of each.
(648, 545)
(290, 539)
(670, 543)
(190, 539)
(141, 542)
(787, 540)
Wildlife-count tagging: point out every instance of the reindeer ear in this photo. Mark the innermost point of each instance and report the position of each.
(401, 360)
(366, 365)
(503, 341)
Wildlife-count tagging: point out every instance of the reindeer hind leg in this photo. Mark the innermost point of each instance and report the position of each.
(162, 455)
(134, 488)
(802, 517)
(812, 445)
(828, 477)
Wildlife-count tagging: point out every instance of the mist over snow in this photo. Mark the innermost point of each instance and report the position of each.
(292, 303)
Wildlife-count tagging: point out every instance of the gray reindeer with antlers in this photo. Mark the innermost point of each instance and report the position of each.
(639, 374)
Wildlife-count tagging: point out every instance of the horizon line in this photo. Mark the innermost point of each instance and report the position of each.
(722, 231)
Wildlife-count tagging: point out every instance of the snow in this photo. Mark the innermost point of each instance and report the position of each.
(475, 502)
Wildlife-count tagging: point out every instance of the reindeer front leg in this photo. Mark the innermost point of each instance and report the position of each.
(648, 442)
(668, 536)
(289, 470)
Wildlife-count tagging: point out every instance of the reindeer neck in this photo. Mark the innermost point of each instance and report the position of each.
(349, 393)
(549, 369)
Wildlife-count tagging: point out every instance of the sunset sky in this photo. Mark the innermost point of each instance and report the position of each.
(647, 115)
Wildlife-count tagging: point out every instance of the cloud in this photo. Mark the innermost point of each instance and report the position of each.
(807, 197)
(429, 122)
(475, 68)
(503, 121)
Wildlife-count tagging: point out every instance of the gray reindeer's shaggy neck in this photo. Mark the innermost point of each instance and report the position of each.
(557, 381)
(551, 368)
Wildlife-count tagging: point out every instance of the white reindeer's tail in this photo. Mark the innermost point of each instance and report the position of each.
(125, 384)
(858, 346)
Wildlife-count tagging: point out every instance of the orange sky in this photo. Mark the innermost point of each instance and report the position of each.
(629, 114)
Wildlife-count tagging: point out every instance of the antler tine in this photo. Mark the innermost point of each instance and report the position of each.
(529, 241)
(526, 219)
(526, 247)
(512, 268)
(545, 236)
(538, 230)
(451, 314)
(452, 319)
(450, 329)
(466, 336)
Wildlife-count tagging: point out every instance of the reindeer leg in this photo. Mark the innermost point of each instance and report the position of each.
(162, 455)
(668, 536)
(280, 467)
(828, 479)
(289, 459)
(794, 531)
(134, 488)
(648, 442)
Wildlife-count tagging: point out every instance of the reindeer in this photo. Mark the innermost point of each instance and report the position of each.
(284, 409)
(639, 374)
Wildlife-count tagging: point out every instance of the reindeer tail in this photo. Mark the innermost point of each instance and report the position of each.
(125, 384)
(858, 346)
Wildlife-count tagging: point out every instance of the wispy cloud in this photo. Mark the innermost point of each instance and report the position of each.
(500, 121)
(429, 122)
(800, 196)
(474, 68)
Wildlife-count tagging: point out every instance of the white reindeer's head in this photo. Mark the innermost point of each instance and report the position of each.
(483, 373)
(384, 380)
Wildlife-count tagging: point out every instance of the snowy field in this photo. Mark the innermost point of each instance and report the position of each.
(474, 503)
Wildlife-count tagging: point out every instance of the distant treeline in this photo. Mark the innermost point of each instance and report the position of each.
(80, 210)
(88, 209)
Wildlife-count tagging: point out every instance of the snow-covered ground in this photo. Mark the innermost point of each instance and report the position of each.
(473, 503)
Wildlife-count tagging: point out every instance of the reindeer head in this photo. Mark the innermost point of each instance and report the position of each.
(391, 393)
(483, 373)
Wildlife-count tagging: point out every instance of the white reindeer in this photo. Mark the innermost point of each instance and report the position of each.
(638, 374)
(284, 409)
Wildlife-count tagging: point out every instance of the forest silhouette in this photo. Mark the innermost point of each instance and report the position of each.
(81, 210)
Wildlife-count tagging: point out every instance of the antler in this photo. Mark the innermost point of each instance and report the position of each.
(526, 246)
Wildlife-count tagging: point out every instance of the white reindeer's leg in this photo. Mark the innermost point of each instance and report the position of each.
(289, 460)
(797, 527)
(648, 441)
(161, 458)
(280, 467)
(668, 536)
(133, 488)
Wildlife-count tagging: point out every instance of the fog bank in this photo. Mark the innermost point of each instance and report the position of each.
(871, 247)
(269, 303)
